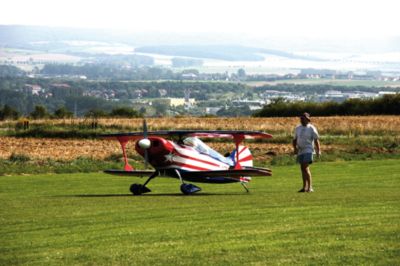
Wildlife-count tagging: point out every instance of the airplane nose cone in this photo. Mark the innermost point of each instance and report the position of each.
(144, 143)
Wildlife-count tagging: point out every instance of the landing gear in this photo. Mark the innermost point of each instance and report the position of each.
(138, 189)
(187, 189)
(245, 187)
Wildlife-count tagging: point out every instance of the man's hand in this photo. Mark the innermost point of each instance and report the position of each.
(318, 154)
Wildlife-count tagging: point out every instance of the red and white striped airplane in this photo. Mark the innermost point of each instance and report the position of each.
(189, 158)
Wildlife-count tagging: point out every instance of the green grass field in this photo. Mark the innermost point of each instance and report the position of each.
(91, 219)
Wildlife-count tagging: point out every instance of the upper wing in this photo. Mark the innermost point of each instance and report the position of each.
(230, 134)
(191, 133)
(133, 135)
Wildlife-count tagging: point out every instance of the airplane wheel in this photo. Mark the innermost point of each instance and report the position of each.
(189, 189)
(136, 189)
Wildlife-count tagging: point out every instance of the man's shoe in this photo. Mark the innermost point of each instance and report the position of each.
(310, 190)
(302, 190)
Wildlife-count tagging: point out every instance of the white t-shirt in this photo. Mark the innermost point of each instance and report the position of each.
(305, 136)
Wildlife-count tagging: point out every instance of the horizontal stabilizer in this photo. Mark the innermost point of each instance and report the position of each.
(233, 173)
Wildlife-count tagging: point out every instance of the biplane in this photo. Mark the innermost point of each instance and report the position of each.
(183, 155)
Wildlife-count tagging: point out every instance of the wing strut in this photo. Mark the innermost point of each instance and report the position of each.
(238, 138)
(123, 140)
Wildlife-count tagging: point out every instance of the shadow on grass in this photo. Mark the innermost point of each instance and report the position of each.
(151, 195)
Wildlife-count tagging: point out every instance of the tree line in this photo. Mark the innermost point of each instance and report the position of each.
(386, 105)
(40, 112)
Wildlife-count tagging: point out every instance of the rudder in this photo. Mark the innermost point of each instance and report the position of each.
(245, 156)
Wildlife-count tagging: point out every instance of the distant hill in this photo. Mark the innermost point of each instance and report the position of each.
(222, 52)
(54, 39)
(229, 47)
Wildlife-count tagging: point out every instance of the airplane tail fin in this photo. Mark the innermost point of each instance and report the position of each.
(245, 157)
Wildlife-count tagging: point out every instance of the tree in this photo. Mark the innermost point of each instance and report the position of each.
(8, 113)
(124, 112)
(95, 113)
(241, 73)
(40, 112)
(142, 111)
(10, 71)
(62, 112)
(160, 108)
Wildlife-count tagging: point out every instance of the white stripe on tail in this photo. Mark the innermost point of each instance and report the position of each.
(245, 157)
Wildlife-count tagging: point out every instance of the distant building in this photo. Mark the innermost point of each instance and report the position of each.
(179, 101)
(60, 85)
(252, 104)
(333, 94)
(270, 95)
(33, 89)
(189, 76)
(212, 110)
(317, 73)
(162, 92)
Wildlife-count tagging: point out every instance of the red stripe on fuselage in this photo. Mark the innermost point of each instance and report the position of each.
(196, 159)
(191, 166)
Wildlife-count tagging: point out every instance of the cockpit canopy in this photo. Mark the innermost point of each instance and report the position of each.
(203, 148)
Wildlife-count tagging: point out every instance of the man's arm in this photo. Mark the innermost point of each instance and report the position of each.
(317, 147)
(294, 143)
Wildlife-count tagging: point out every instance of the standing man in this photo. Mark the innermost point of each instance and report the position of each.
(305, 137)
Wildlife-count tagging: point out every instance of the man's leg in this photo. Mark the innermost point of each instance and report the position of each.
(305, 171)
(303, 177)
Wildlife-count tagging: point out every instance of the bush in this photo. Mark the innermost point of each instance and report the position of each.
(124, 112)
(8, 113)
(19, 158)
(40, 112)
(96, 113)
(62, 112)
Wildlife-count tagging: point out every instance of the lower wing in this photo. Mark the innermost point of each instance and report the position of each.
(232, 173)
(139, 173)
(235, 174)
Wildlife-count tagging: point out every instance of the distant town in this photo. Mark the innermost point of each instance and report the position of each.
(250, 100)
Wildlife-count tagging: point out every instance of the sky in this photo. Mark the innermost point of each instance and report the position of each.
(309, 18)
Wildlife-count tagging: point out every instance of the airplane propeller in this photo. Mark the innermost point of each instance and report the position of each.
(145, 144)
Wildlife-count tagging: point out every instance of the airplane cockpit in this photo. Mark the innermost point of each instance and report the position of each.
(203, 148)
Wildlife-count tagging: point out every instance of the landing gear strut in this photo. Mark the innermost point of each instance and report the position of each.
(187, 189)
(245, 187)
(138, 189)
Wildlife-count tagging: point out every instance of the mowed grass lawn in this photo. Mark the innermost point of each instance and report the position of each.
(352, 218)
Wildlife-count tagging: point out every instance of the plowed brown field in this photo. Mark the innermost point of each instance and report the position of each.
(67, 149)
